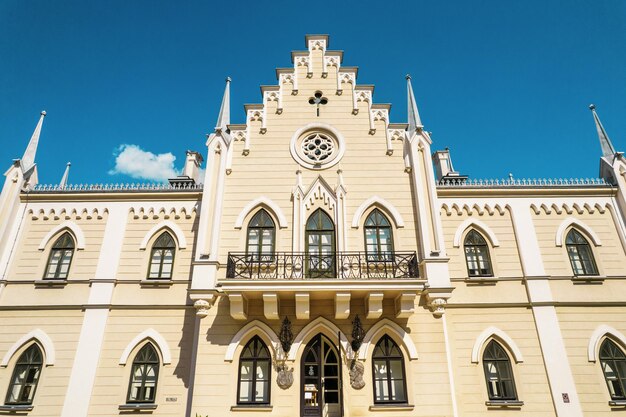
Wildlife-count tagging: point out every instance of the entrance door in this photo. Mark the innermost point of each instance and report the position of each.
(320, 383)
(320, 246)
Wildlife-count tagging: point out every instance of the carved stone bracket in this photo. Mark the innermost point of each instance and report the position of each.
(204, 304)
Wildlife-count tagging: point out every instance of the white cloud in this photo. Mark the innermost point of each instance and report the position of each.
(133, 161)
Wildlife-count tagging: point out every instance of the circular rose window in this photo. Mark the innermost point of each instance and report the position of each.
(317, 148)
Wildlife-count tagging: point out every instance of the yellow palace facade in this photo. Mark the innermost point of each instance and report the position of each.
(326, 262)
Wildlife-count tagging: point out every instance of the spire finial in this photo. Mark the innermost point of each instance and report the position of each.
(66, 175)
(605, 143)
(415, 122)
(407, 77)
(224, 117)
(28, 160)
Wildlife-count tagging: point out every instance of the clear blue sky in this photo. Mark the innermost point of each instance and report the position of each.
(504, 84)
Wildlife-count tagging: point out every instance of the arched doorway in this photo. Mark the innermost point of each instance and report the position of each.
(320, 246)
(320, 378)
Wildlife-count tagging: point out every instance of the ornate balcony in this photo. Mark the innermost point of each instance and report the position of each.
(308, 266)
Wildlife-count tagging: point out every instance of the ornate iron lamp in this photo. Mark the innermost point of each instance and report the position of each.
(286, 336)
(357, 334)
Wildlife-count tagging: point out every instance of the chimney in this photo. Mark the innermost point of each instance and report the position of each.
(191, 170)
(192, 166)
(443, 167)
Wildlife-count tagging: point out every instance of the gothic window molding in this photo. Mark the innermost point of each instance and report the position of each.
(72, 228)
(502, 338)
(254, 328)
(166, 225)
(261, 202)
(597, 337)
(393, 330)
(319, 325)
(25, 378)
(382, 204)
(38, 336)
(157, 340)
(566, 225)
(476, 224)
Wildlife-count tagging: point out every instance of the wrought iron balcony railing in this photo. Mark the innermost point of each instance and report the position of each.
(337, 265)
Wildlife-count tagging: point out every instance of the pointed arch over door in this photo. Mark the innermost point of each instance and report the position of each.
(320, 243)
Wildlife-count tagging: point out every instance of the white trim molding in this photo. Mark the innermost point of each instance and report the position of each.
(475, 223)
(571, 221)
(385, 205)
(313, 328)
(153, 336)
(255, 327)
(38, 336)
(387, 326)
(165, 224)
(596, 337)
(75, 229)
(262, 202)
(500, 336)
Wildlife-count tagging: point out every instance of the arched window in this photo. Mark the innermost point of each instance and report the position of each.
(613, 362)
(261, 237)
(580, 254)
(477, 255)
(320, 245)
(378, 237)
(162, 257)
(25, 377)
(60, 257)
(143, 376)
(498, 373)
(388, 373)
(254, 373)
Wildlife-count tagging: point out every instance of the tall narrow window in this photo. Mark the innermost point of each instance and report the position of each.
(60, 257)
(261, 237)
(580, 254)
(143, 376)
(477, 255)
(162, 257)
(25, 377)
(498, 373)
(388, 372)
(613, 363)
(320, 245)
(254, 373)
(378, 237)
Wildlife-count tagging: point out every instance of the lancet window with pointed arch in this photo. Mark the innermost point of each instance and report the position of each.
(261, 237)
(60, 258)
(498, 373)
(162, 257)
(144, 376)
(613, 362)
(378, 237)
(388, 373)
(254, 374)
(25, 378)
(477, 255)
(580, 254)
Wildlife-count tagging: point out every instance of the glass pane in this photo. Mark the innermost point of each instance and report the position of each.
(262, 370)
(395, 369)
(253, 236)
(245, 391)
(397, 388)
(261, 394)
(380, 369)
(246, 370)
(381, 391)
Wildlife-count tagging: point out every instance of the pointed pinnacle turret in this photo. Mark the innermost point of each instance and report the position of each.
(66, 175)
(28, 160)
(415, 122)
(224, 117)
(605, 143)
